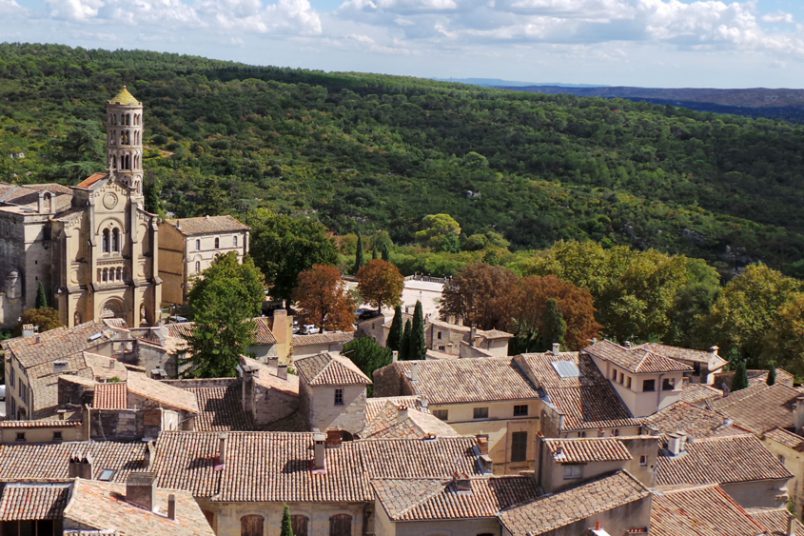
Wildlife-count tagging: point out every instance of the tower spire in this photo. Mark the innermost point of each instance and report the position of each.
(124, 139)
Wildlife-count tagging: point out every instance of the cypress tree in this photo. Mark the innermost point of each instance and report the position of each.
(404, 350)
(287, 524)
(41, 297)
(359, 259)
(394, 341)
(384, 253)
(418, 346)
(555, 327)
(740, 380)
(771, 374)
(374, 254)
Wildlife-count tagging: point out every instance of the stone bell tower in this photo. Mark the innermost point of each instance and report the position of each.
(124, 140)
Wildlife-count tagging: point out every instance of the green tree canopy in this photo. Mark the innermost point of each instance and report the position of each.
(223, 301)
(440, 232)
(284, 246)
(367, 354)
(418, 344)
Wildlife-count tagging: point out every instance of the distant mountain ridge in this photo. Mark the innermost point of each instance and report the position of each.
(781, 103)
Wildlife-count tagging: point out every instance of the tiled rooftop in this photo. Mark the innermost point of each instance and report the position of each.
(439, 499)
(220, 404)
(775, 520)
(637, 359)
(328, 337)
(686, 354)
(573, 505)
(102, 506)
(698, 511)
(110, 396)
(720, 460)
(208, 225)
(466, 380)
(584, 450)
(330, 368)
(49, 461)
(376, 405)
(587, 402)
(696, 422)
(405, 422)
(58, 343)
(786, 438)
(760, 407)
(699, 393)
(276, 466)
(263, 334)
(24, 501)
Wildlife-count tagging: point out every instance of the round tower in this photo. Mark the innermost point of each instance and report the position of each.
(124, 139)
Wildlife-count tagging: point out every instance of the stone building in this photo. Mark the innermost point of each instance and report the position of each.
(93, 247)
(188, 246)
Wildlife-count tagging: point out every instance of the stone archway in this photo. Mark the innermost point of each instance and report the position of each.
(113, 308)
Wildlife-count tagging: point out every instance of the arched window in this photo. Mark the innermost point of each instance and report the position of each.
(251, 525)
(105, 275)
(100, 273)
(340, 525)
(116, 240)
(299, 523)
(120, 274)
(217, 242)
(198, 267)
(128, 119)
(234, 240)
(105, 241)
(114, 119)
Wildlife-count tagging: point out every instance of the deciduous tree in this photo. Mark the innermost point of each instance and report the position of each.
(44, 318)
(440, 232)
(285, 246)
(322, 298)
(481, 295)
(380, 282)
(223, 301)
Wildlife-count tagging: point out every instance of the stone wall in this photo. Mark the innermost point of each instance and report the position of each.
(325, 415)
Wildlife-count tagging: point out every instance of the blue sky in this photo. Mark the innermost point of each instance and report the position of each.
(667, 43)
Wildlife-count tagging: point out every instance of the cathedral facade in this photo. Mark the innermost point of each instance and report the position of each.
(92, 247)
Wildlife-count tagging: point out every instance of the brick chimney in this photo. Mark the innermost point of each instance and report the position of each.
(171, 507)
(482, 443)
(319, 452)
(334, 438)
(140, 489)
(80, 467)
(282, 372)
(461, 483)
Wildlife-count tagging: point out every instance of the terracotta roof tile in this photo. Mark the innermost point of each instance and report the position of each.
(636, 359)
(775, 520)
(208, 225)
(687, 354)
(465, 380)
(220, 404)
(440, 499)
(586, 401)
(584, 450)
(376, 405)
(699, 511)
(58, 343)
(696, 422)
(50, 461)
(102, 506)
(90, 181)
(401, 422)
(573, 505)
(329, 368)
(263, 334)
(697, 393)
(110, 396)
(760, 407)
(162, 393)
(786, 438)
(720, 460)
(327, 337)
(33, 501)
(276, 466)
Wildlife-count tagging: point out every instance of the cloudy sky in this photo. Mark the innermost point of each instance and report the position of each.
(668, 43)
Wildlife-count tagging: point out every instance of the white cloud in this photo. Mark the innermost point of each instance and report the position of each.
(10, 7)
(779, 17)
(75, 9)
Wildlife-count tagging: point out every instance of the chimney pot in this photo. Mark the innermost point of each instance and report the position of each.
(140, 489)
(282, 372)
(394, 356)
(556, 348)
(171, 507)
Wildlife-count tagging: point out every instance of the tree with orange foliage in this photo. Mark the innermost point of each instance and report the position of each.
(531, 316)
(481, 295)
(380, 282)
(321, 295)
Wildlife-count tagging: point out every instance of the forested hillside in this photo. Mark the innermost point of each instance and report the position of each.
(368, 152)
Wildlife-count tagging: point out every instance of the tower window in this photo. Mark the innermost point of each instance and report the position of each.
(198, 267)
(198, 245)
(235, 240)
(128, 119)
(217, 242)
(116, 240)
(105, 241)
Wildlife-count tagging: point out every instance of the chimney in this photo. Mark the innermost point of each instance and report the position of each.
(461, 483)
(80, 467)
(472, 335)
(482, 443)
(140, 489)
(556, 348)
(424, 404)
(790, 531)
(798, 413)
(714, 350)
(628, 344)
(319, 452)
(248, 388)
(394, 356)
(282, 372)
(171, 513)
(62, 413)
(676, 443)
(178, 224)
(334, 438)
(149, 454)
(28, 330)
(413, 376)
